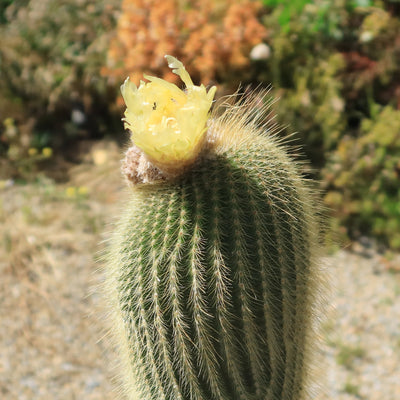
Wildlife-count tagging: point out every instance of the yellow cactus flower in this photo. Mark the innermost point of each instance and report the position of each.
(167, 123)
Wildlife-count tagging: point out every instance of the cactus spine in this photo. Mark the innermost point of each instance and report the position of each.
(212, 273)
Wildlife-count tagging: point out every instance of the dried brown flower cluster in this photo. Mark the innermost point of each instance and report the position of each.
(210, 37)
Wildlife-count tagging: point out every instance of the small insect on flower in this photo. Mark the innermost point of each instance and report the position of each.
(168, 124)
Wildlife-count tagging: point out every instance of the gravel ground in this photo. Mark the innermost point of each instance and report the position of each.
(51, 335)
(362, 335)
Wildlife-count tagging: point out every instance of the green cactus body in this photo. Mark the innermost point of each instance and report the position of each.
(213, 274)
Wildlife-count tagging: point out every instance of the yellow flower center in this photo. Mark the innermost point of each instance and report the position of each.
(167, 123)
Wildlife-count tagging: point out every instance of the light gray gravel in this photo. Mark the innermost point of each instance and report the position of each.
(362, 333)
(50, 335)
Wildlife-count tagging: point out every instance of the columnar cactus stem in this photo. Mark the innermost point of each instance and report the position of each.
(212, 267)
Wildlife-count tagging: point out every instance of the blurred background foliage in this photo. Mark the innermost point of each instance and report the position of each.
(212, 38)
(333, 64)
(50, 56)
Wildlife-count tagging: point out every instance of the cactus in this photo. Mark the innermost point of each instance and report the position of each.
(212, 268)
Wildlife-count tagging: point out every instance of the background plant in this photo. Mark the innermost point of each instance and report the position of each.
(334, 66)
(51, 53)
(362, 178)
(212, 38)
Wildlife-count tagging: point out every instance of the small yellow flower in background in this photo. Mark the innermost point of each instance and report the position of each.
(74, 192)
(11, 131)
(70, 192)
(32, 151)
(167, 123)
(83, 190)
(8, 122)
(47, 152)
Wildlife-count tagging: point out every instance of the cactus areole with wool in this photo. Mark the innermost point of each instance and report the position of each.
(211, 273)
